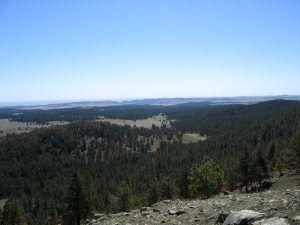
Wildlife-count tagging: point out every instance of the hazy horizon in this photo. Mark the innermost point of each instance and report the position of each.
(62, 101)
(89, 50)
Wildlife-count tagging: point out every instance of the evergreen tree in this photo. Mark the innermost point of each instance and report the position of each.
(167, 188)
(206, 178)
(260, 168)
(244, 166)
(124, 195)
(295, 146)
(271, 151)
(0, 215)
(13, 213)
(153, 192)
(184, 184)
(78, 200)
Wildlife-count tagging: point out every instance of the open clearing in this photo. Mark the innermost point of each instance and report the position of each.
(8, 127)
(158, 121)
(192, 138)
(2, 203)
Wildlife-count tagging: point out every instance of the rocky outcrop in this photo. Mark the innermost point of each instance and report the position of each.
(243, 217)
(277, 206)
(271, 221)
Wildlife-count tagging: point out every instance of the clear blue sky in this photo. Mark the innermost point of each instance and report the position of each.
(63, 50)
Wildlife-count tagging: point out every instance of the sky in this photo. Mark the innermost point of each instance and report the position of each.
(109, 49)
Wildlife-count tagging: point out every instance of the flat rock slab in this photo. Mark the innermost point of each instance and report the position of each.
(242, 217)
(271, 221)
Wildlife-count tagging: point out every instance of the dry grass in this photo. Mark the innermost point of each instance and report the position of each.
(8, 127)
(192, 138)
(158, 120)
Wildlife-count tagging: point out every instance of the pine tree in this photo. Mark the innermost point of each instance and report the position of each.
(124, 196)
(153, 192)
(13, 213)
(167, 187)
(260, 168)
(245, 168)
(78, 201)
(184, 184)
(0, 215)
(205, 178)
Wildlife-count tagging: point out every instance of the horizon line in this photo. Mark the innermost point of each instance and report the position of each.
(120, 100)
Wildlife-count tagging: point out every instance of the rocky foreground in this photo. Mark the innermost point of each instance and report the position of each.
(280, 205)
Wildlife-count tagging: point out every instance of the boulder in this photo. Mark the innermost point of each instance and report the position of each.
(297, 219)
(271, 221)
(175, 212)
(144, 211)
(243, 217)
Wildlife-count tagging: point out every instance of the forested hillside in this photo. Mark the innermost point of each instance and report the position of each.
(120, 172)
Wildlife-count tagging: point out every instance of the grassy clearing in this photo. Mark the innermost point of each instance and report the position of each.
(8, 127)
(158, 120)
(187, 138)
(192, 138)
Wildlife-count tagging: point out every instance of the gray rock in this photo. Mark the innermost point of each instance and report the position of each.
(215, 210)
(156, 210)
(243, 217)
(175, 212)
(271, 221)
(144, 213)
(297, 219)
(172, 211)
(143, 209)
(167, 201)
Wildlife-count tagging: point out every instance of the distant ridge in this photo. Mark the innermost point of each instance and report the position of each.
(159, 101)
